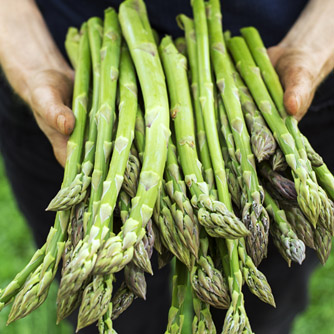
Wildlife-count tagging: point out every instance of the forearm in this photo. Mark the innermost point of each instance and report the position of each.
(313, 32)
(26, 46)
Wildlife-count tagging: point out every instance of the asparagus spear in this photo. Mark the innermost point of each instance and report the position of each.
(131, 174)
(254, 215)
(262, 140)
(176, 313)
(36, 286)
(181, 45)
(324, 176)
(140, 133)
(118, 250)
(76, 191)
(105, 323)
(281, 184)
(122, 299)
(72, 41)
(285, 239)
(202, 323)
(256, 46)
(84, 257)
(219, 223)
(278, 161)
(307, 190)
(187, 25)
(236, 318)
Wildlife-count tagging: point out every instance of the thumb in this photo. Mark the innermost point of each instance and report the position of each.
(298, 82)
(50, 108)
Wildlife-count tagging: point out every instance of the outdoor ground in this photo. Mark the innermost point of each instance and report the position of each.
(16, 248)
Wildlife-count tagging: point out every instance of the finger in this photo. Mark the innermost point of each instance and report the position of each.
(298, 83)
(48, 103)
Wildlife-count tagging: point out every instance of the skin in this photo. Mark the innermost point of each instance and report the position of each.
(40, 75)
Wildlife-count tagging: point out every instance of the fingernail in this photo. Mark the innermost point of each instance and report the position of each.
(61, 123)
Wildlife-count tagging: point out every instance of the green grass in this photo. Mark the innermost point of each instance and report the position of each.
(17, 247)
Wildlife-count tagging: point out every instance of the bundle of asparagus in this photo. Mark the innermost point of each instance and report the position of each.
(205, 200)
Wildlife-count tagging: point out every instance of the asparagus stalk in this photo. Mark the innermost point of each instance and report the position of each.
(35, 288)
(187, 25)
(254, 215)
(285, 239)
(181, 45)
(84, 257)
(262, 140)
(118, 250)
(122, 299)
(176, 312)
(236, 318)
(285, 187)
(105, 323)
(76, 191)
(221, 223)
(131, 175)
(256, 46)
(324, 176)
(72, 41)
(307, 190)
(140, 133)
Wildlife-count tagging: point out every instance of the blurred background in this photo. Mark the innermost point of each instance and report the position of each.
(17, 246)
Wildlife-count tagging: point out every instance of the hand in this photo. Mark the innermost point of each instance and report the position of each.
(305, 56)
(49, 96)
(299, 73)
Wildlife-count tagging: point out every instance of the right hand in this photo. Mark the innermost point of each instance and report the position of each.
(49, 95)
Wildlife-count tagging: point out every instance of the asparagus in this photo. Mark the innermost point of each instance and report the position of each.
(323, 243)
(278, 161)
(254, 278)
(236, 318)
(140, 133)
(301, 225)
(84, 256)
(118, 250)
(307, 190)
(324, 176)
(131, 174)
(202, 323)
(72, 41)
(95, 300)
(187, 25)
(122, 299)
(254, 215)
(105, 323)
(213, 215)
(253, 39)
(284, 187)
(262, 140)
(207, 282)
(76, 191)
(176, 313)
(35, 288)
(285, 239)
(181, 45)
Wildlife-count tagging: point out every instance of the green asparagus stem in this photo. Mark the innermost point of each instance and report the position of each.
(181, 45)
(76, 191)
(72, 41)
(221, 223)
(285, 239)
(140, 133)
(131, 175)
(84, 257)
(118, 250)
(262, 140)
(187, 25)
(256, 46)
(176, 312)
(105, 323)
(307, 190)
(35, 288)
(254, 215)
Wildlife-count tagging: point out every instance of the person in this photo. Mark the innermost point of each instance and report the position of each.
(36, 118)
